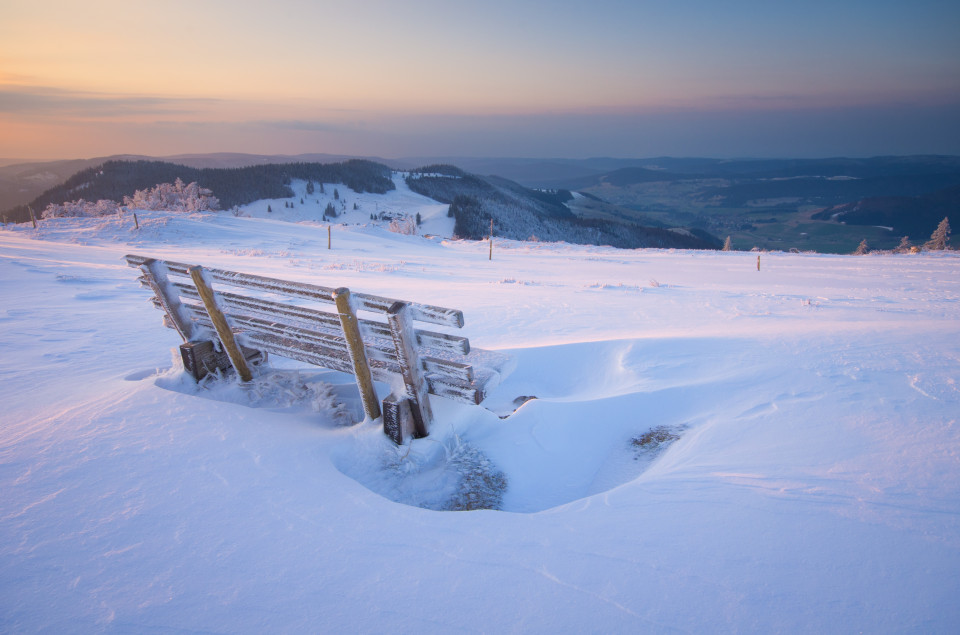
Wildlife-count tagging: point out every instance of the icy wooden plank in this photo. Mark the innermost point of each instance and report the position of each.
(224, 332)
(361, 301)
(398, 316)
(358, 355)
(270, 309)
(155, 275)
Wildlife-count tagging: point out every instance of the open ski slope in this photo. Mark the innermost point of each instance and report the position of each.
(814, 486)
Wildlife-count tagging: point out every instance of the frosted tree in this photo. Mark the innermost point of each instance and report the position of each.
(176, 196)
(862, 248)
(727, 244)
(904, 246)
(940, 236)
(103, 207)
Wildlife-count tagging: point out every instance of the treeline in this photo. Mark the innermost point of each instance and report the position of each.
(232, 186)
(472, 218)
(521, 213)
(492, 190)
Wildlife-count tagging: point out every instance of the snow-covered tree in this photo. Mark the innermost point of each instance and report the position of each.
(404, 225)
(940, 236)
(103, 207)
(862, 248)
(727, 244)
(174, 197)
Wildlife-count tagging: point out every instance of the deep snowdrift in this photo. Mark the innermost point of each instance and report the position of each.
(814, 486)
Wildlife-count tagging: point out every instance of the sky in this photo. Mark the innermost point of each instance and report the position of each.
(520, 78)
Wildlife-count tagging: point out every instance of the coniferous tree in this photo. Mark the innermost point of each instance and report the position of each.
(336, 194)
(862, 248)
(309, 187)
(940, 237)
(727, 244)
(904, 246)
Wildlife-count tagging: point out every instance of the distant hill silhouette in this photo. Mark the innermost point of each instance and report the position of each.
(913, 216)
(521, 213)
(233, 186)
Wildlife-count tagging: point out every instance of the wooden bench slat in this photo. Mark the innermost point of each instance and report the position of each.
(381, 371)
(269, 309)
(377, 348)
(362, 301)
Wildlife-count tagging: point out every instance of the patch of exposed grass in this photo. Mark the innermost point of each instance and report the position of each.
(656, 440)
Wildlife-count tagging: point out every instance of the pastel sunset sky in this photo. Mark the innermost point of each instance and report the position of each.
(483, 78)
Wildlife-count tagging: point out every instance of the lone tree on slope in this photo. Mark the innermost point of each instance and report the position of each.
(940, 236)
(862, 248)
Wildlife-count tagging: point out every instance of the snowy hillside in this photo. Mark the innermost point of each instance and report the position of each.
(711, 448)
(355, 208)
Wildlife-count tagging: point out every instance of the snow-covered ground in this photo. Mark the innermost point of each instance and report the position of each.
(813, 484)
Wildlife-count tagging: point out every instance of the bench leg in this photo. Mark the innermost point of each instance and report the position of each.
(202, 358)
(405, 341)
(397, 419)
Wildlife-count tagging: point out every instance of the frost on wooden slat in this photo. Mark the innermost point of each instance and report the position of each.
(312, 318)
(363, 302)
(377, 349)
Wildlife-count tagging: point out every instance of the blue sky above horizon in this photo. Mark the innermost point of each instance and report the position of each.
(498, 78)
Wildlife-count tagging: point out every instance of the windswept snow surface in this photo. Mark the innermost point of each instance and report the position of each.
(814, 487)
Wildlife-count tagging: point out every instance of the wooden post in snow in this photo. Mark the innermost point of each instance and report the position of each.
(397, 419)
(155, 273)
(491, 240)
(32, 217)
(135, 221)
(328, 236)
(758, 262)
(405, 341)
(358, 353)
(224, 332)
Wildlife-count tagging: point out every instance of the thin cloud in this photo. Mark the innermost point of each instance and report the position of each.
(311, 125)
(48, 101)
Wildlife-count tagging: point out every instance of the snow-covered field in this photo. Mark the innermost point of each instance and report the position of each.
(813, 484)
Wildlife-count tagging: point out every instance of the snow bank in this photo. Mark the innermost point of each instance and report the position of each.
(813, 484)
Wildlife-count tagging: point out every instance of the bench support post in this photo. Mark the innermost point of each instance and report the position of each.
(398, 418)
(358, 354)
(405, 340)
(224, 332)
(155, 273)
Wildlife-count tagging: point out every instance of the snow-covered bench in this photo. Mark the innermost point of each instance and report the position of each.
(260, 315)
